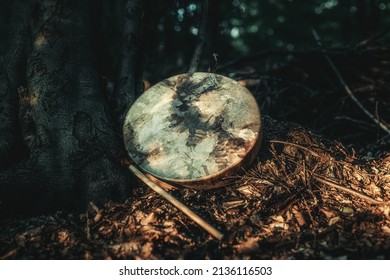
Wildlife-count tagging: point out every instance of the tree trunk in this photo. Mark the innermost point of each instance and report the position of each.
(53, 108)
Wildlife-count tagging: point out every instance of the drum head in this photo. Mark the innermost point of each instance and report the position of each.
(194, 130)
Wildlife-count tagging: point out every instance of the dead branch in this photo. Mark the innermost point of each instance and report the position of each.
(296, 145)
(372, 39)
(348, 90)
(303, 52)
(9, 254)
(348, 190)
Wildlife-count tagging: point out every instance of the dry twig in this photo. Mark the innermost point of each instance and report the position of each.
(348, 190)
(296, 145)
(349, 91)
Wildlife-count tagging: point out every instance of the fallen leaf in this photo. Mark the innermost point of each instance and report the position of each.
(347, 210)
(63, 236)
(334, 220)
(146, 250)
(300, 218)
(97, 217)
(250, 245)
(280, 225)
(386, 229)
(151, 218)
(328, 213)
(279, 219)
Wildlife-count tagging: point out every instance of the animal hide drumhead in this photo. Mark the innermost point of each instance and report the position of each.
(194, 130)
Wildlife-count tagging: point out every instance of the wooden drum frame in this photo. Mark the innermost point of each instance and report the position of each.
(194, 130)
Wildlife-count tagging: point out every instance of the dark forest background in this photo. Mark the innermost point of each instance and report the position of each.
(307, 196)
(271, 43)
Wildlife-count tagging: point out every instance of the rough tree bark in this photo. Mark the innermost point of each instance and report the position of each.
(58, 131)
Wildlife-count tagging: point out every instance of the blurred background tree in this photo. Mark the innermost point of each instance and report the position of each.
(241, 27)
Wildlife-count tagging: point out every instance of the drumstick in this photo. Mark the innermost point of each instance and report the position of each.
(186, 210)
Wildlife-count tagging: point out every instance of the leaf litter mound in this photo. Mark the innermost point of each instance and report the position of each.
(305, 197)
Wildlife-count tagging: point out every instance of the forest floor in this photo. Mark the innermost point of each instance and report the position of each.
(309, 195)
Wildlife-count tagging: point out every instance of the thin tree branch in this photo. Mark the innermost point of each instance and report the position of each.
(348, 190)
(348, 90)
(313, 153)
(306, 52)
(372, 39)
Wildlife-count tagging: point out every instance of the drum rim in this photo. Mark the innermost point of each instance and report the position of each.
(254, 147)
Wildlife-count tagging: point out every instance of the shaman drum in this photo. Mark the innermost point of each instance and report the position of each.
(194, 130)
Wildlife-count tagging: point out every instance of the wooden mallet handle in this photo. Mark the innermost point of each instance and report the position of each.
(205, 225)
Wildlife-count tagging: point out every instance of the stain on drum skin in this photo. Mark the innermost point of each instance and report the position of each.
(193, 130)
